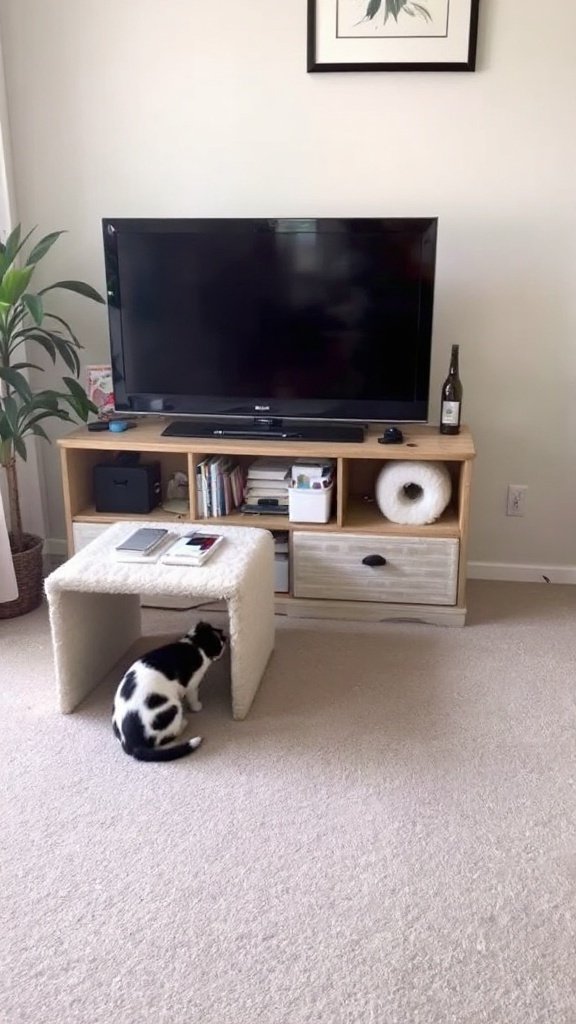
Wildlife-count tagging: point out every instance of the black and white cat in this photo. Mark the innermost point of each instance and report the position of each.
(149, 703)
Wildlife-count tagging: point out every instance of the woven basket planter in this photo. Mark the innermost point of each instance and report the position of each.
(28, 566)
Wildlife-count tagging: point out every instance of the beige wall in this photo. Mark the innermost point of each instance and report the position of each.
(182, 107)
(31, 483)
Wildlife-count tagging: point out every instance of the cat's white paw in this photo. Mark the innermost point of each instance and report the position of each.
(195, 743)
(197, 706)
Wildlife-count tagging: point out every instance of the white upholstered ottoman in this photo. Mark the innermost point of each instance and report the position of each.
(94, 605)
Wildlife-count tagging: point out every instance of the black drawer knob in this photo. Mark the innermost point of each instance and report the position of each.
(374, 560)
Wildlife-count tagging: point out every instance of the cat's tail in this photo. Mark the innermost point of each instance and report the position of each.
(164, 753)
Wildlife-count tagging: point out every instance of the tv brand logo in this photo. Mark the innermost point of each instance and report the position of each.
(261, 408)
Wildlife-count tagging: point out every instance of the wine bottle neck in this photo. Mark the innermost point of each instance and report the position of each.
(454, 362)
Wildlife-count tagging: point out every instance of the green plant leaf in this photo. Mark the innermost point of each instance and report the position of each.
(44, 400)
(35, 306)
(59, 414)
(5, 432)
(75, 286)
(12, 248)
(42, 247)
(12, 244)
(14, 284)
(27, 366)
(11, 414)
(44, 341)
(17, 381)
(20, 447)
(67, 353)
(52, 316)
(76, 389)
(13, 318)
(78, 399)
(35, 428)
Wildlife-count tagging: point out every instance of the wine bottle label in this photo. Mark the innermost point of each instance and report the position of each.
(451, 413)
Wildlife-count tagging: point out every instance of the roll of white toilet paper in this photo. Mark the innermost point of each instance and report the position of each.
(413, 493)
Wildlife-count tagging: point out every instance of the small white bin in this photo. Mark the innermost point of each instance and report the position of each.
(308, 505)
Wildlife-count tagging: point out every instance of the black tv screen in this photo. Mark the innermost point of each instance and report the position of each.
(297, 318)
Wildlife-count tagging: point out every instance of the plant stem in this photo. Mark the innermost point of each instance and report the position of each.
(14, 502)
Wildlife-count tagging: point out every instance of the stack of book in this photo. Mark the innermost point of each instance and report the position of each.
(267, 483)
(219, 486)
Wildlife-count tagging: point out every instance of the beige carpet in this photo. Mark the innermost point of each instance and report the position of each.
(389, 837)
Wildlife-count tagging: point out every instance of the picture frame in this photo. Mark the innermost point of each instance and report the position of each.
(100, 388)
(392, 35)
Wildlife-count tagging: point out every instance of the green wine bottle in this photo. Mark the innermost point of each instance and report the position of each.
(451, 400)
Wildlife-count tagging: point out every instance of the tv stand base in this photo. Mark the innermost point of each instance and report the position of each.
(266, 430)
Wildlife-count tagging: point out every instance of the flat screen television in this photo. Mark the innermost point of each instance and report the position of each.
(306, 319)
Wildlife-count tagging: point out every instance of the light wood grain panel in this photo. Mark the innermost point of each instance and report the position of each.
(416, 570)
(88, 514)
(363, 516)
(464, 526)
(421, 442)
(77, 467)
(342, 475)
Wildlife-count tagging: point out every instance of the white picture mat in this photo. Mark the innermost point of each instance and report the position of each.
(378, 49)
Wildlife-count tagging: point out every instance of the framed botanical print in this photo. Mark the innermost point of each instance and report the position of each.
(392, 35)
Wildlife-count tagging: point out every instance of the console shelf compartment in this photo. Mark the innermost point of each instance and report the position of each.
(365, 517)
(355, 514)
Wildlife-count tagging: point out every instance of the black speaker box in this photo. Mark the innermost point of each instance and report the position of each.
(127, 488)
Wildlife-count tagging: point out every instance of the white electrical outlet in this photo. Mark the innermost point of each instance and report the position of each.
(516, 500)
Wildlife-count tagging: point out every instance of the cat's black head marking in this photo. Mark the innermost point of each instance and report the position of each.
(210, 639)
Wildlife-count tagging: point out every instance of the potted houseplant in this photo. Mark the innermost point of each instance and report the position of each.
(26, 324)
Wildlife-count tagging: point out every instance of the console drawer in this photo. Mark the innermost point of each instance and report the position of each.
(84, 533)
(417, 570)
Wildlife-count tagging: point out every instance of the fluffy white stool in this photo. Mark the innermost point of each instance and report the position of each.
(94, 605)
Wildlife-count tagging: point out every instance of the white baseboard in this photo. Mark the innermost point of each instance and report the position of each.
(514, 572)
(506, 571)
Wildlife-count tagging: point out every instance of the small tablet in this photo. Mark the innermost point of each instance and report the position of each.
(142, 540)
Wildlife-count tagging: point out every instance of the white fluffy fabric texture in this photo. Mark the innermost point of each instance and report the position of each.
(94, 604)
(433, 480)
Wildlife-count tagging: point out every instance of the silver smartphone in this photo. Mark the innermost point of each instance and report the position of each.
(142, 540)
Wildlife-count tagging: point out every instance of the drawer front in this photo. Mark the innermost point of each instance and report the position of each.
(417, 570)
(84, 533)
